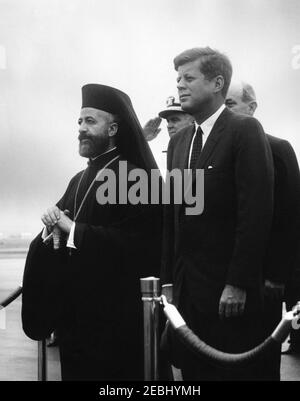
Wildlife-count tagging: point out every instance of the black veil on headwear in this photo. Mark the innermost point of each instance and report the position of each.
(130, 139)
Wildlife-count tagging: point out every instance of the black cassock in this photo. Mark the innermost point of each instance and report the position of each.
(92, 297)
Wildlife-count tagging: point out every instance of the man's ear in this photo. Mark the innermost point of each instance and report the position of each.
(252, 107)
(113, 129)
(219, 83)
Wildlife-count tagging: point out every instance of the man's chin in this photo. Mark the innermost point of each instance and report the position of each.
(188, 108)
(85, 151)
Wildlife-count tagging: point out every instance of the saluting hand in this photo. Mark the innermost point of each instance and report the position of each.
(151, 128)
(232, 302)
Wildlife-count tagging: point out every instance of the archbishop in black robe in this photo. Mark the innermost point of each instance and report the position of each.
(91, 295)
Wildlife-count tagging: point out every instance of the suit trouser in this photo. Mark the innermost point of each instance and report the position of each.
(232, 335)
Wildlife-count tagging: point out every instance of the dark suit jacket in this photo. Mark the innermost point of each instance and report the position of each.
(285, 233)
(226, 243)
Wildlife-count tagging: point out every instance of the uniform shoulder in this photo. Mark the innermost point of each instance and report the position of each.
(180, 135)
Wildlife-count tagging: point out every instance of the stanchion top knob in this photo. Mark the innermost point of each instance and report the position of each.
(150, 286)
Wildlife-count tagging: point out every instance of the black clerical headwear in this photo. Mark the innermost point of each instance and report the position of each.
(130, 138)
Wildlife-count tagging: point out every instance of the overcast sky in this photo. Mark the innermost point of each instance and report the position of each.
(50, 48)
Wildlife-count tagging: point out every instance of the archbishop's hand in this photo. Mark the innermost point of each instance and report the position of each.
(51, 217)
(151, 129)
(232, 302)
(56, 217)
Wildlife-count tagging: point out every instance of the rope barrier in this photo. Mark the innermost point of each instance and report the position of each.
(11, 297)
(150, 288)
(42, 351)
(220, 358)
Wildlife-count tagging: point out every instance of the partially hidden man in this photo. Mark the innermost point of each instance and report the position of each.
(88, 290)
(215, 259)
(281, 257)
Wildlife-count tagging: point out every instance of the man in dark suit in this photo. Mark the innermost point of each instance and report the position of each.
(284, 238)
(88, 287)
(215, 259)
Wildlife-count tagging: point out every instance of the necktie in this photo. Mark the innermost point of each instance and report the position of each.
(197, 147)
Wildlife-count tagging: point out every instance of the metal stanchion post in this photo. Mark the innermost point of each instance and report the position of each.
(150, 288)
(42, 361)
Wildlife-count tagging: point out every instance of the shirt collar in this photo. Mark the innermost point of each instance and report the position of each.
(208, 124)
(103, 158)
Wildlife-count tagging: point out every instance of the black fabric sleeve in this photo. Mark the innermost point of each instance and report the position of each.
(44, 281)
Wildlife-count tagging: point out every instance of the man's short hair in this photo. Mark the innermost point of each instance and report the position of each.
(248, 93)
(213, 63)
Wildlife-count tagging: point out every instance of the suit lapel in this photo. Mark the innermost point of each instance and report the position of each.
(210, 144)
(213, 139)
